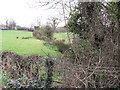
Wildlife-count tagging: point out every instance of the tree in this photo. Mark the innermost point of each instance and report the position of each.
(65, 6)
(38, 21)
(118, 29)
(10, 24)
(96, 46)
(54, 22)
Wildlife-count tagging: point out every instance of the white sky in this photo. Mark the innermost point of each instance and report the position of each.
(20, 11)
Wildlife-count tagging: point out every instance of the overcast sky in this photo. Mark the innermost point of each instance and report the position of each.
(23, 12)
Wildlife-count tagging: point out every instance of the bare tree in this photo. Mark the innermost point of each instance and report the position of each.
(54, 22)
(65, 6)
(38, 21)
(32, 26)
(10, 24)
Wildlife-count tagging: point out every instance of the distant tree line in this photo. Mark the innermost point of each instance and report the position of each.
(24, 28)
(11, 25)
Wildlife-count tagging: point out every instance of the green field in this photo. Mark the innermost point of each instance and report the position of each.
(64, 36)
(30, 46)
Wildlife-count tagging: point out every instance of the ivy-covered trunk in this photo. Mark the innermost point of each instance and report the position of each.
(49, 66)
(118, 29)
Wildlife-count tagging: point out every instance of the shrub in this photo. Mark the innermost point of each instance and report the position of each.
(27, 71)
(48, 32)
(37, 33)
(61, 46)
(43, 33)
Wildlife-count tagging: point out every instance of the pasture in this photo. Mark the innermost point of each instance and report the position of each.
(60, 36)
(13, 41)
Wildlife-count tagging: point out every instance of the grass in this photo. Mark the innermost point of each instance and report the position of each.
(64, 36)
(32, 46)
(21, 46)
